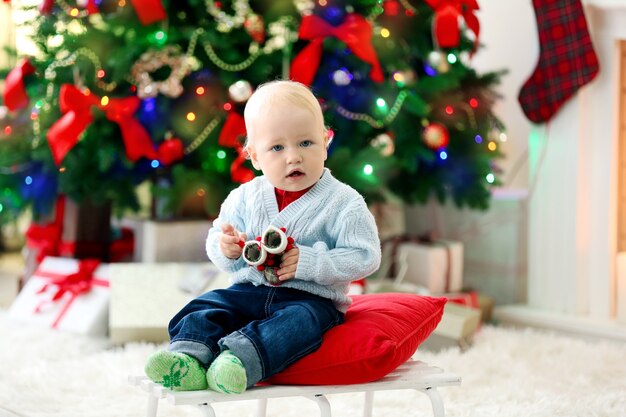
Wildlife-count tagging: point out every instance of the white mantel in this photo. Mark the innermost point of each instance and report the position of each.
(605, 4)
(572, 199)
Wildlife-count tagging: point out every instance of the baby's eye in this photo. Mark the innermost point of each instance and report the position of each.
(277, 148)
(306, 143)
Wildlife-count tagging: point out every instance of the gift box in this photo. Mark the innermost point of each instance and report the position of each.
(11, 272)
(435, 266)
(456, 328)
(474, 299)
(486, 304)
(145, 297)
(31, 262)
(66, 294)
(168, 241)
(459, 322)
(464, 298)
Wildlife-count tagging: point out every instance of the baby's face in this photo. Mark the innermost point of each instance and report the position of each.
(289, 147)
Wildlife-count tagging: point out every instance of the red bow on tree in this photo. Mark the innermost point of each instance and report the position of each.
(446, 23)
(233, 129)
(15, 96)
(46, 7)
(76, 109)
(149, 11)
(355, 32)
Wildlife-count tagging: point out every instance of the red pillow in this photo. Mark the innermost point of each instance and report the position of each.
(381, 331)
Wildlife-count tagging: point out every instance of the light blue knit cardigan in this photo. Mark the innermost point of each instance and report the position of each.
(331, 225)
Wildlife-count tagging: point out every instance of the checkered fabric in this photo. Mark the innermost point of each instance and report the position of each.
(567, 60)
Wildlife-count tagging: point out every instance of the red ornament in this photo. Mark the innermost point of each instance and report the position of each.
(446, 21)
(170, 151)
(436, 136)
(92, 7)
(46, 6)
(391, 7)
(255, 27)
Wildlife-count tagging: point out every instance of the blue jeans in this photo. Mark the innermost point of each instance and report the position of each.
(267, 328)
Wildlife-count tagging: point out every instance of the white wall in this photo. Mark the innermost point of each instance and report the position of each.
(508, 33)
(7, 34)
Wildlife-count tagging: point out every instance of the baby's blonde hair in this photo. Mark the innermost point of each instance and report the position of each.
(267, 95)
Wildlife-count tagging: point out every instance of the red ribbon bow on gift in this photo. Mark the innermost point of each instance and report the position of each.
(233, 129)
(123, 247)
(446, 24)
(76, 109)
(355, 32)
(75, 284)
(46, 238)
(15, 96)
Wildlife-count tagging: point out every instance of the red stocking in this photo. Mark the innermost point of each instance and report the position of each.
(567, 60)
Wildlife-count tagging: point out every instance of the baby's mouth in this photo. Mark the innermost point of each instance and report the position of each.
(295, 174)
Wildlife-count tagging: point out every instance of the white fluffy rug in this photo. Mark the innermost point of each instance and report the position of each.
(507, 373)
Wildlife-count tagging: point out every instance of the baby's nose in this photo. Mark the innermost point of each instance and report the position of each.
(294, 156)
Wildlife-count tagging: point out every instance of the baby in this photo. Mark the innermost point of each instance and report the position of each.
(230, 339)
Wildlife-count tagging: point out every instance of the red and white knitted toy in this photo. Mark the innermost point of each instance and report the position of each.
(265, 252)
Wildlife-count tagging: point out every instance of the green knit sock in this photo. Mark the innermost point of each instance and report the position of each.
(227, 374)
(176, 371)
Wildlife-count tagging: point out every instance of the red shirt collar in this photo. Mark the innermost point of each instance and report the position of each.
(284, 198)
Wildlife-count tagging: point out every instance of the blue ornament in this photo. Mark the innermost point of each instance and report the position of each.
(40, 187)
(333, 15)
(153, 115)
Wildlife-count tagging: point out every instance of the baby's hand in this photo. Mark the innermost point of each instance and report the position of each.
(229, 241)
(289, 264)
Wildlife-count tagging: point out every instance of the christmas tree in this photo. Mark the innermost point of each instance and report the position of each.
(124, 92)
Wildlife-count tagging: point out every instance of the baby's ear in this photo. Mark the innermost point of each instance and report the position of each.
(330, 134)
(245, 152)
(252, 156)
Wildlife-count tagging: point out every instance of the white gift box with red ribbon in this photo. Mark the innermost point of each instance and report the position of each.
(66, 294)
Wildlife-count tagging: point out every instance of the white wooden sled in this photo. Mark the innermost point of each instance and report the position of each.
(411, 375)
